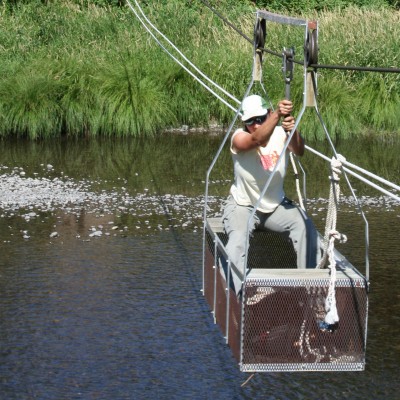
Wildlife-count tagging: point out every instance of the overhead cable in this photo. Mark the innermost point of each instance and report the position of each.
(361, 178)
(141, 20)
(390, 194)
(320, 66)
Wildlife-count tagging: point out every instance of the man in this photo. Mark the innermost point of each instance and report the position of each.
(255, 152)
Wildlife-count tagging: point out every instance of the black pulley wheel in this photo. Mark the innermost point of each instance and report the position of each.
(259, 34)
(312, 50)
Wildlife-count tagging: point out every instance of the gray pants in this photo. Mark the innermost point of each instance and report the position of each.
(286, 218)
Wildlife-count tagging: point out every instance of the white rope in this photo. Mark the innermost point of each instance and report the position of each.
(371, 175)
(299, 195)
(332, 316)
(396, 187)
(331, 234)
(361, 178)
(185, 58)
(334, 195)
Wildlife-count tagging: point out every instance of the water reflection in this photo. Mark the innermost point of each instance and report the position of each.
(121, 316)
(181, 161)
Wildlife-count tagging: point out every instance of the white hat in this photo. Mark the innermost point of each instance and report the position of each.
(253, 106)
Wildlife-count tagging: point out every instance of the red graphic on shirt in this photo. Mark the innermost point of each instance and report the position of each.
(269, 161)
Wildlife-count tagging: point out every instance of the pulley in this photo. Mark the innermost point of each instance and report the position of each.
(259, 34)
(259, 41)
(311, 51)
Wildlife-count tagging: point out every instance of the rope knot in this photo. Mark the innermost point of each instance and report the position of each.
(336, 167)
(340, 237)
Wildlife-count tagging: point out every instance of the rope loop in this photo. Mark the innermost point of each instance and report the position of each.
(336, 167)
(340, 237)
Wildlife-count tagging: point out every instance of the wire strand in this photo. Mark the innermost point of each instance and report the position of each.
(315, 66)
(178, 61)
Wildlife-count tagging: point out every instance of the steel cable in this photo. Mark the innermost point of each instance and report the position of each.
(370, 183)
(142, 21)
(315, 66)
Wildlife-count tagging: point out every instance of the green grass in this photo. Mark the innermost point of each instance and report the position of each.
(82, 70)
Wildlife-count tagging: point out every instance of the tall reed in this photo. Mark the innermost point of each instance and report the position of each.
(74, 69)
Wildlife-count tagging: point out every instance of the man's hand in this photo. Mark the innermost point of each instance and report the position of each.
(285, 107)
(288, 123)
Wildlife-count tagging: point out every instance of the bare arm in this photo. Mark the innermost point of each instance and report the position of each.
(296, 145)
(259, 134)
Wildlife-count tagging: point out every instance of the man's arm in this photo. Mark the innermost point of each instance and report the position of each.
(296, 145)
(244, 141)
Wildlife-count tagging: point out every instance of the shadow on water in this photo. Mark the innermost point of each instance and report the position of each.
(110, 306)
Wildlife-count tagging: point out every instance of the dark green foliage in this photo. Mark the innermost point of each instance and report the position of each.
(76, 68)
(302, 6)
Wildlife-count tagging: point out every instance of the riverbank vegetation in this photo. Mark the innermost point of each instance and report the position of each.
(80, 68)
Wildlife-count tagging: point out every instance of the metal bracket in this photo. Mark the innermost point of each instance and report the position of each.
(287, 68)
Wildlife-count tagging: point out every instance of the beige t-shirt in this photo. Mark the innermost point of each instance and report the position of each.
(253, 168)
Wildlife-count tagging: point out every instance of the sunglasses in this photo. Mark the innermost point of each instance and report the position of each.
(256, 120)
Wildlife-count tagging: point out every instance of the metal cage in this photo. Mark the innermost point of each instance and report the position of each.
(277, 323)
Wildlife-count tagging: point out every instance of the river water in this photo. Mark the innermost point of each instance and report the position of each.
(100, 274)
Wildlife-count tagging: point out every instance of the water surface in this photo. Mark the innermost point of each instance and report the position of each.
(121, 315)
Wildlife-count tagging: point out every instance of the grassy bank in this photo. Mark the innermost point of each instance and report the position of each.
(68, 69)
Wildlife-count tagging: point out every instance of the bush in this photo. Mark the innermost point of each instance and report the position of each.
(75, 68)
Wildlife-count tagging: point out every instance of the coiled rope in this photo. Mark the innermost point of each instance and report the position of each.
(331, 234)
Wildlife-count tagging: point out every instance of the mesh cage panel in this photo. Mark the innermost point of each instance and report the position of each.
(268, 250)
(222, 301)
(284, 309)
(235, 311)
(284, 330)
(209, 271)
(221, 307)
(271, 250)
